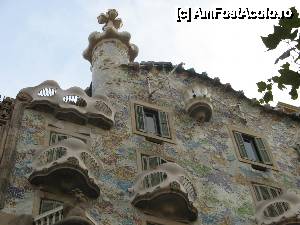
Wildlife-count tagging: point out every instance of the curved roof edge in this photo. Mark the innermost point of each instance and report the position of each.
(214, 81)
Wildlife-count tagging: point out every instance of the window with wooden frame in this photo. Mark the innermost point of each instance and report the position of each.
(48, 204)
(150, 163)
(56, 137)
(153, 122)
(264, 192)
(252, 148)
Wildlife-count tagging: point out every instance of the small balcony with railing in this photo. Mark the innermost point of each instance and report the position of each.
(66, 167)
(282, 210)
(72, 105)
(50, 217)
(165, 191)
(56, 217)
(198, 103)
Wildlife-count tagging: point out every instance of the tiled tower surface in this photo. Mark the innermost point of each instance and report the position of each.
(190, 165)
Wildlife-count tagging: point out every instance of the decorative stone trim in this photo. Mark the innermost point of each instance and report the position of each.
(72, 104)
(110, 32)
(198, 104)
(170, 192)
(74, 160)
(6, 109)
(293, 212)
(204, 78)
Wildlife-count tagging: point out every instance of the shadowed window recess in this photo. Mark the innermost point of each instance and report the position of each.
(152, 121)
(252, 148)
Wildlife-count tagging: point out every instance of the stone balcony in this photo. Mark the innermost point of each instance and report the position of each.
(59, 216)
(50, 217)
(72, 105)
(282, 210)
(165, 192)
(198, 103)
(67, 167)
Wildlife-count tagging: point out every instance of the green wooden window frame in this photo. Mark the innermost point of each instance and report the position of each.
(161, 119)
(56, 137)
(259, 147)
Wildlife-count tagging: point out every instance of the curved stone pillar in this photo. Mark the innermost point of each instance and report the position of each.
(108, 50)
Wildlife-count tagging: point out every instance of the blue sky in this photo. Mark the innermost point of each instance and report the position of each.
(44, 40)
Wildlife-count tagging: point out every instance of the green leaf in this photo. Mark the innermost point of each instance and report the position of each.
(289, 77)
(281, 86)
(278, 80)
(268, 96)
(282, 32)
(294, 22)
(293, 35)
(269, 87)
(271, 41)
(284, 55)
(261, 86)
(293, 93)
(261, 101)
(286, 66)
(298, 45)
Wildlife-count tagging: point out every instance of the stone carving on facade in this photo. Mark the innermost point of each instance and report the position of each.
(292, 202)
(198, 103)
(6, 109)
(110, 20)
(102, 107)
(24, 97)
(73, 104)
(81, 172)
(110, 31)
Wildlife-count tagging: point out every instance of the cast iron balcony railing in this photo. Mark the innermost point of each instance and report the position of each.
(72, 105)
(165, 192)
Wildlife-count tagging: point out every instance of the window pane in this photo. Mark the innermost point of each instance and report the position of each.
(47, 205)
(151, 123)
(153, 162)
(155, 178)
(265, 193)
(145, 162)
(274, 192)
(257, 193)
(250, 149)
(56, 137)
(162, 161)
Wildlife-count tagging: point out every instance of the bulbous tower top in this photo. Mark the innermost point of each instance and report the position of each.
(110, 32)
(107, 51)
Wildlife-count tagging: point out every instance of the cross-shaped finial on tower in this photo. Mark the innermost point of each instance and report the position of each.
(110, 20)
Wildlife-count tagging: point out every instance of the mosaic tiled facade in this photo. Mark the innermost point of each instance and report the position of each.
(205, 150)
